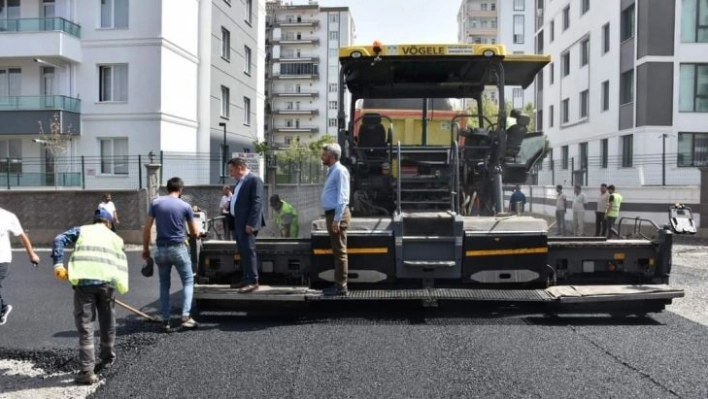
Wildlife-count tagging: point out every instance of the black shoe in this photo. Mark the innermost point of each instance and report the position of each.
(240, 284)
(335, 290)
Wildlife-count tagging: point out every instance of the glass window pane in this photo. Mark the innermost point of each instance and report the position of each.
(106, 13)
(106, 156)
(15, 149)
(700, 149)
(105, 84)
(120, 77)
(687, 79)
(120, 156)
(685, 149)
(688, 21)
(121, 14)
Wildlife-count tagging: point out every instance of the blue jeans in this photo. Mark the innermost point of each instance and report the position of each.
(4, 268)
(177, 256)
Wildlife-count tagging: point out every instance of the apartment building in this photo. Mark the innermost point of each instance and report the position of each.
(125, 78)
(509, 22)
(625, 100)
(302, 70)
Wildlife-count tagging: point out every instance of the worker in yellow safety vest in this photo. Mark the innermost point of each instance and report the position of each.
(613, 210)
(285, 216)
(97, 269)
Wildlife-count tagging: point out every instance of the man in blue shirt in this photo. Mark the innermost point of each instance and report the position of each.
(335, 202)
(516, 197)
(170, 213)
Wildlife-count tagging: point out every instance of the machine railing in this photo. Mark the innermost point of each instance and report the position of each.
(637, 228)
(455, 181)
(398, 177)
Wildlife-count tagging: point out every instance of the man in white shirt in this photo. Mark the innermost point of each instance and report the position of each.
(10, 224)
(108, 205)
(579, 212)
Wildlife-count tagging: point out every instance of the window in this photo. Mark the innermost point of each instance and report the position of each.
(518, 29)
(332, 122)
(332, 105)
(693, 89)
(332, 87)
(114, 14)
(11, 83)
(583, 156)
(333, 53)
(225, 102)
(584, 95)
(627, 24)
(566, 17)
(246, 111)
(627, 148)
(604, 147)
(248, 11)
(334, 18)
(225, 44)
(247, 60)
(550, 116)
(493, 6)
(333, 35)
(11, 156)
(518, 5)
(565, 110)
(299, 69)
(564, 157)
(113, 83)
(606, 38)
(539, 120)
(114, 156)
(552, 72)
(565, 63)
(694, 21)
(584, 52)
(553, 31)
(484, 7)
(627, 87)
(585, 6)
(605, 95)
(692, 149)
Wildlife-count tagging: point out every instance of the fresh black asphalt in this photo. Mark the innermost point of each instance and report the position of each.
(370, 353)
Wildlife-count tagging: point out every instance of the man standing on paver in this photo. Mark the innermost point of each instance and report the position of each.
(579, 211)
(613, 209)
(561, 206)
(600, 221)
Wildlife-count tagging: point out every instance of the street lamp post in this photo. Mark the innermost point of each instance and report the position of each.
(223, 155)
(663, 159)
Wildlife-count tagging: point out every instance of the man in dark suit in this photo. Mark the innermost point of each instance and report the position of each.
(247, 210)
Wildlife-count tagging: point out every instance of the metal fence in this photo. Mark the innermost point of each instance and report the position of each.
(639, 170)
(128, 172)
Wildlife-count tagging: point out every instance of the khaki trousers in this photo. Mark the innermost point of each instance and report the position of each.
(339, 246)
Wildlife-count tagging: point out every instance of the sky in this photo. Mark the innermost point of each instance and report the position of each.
(400, 21)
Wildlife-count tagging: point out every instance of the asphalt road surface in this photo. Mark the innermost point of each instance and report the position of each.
(360, 354)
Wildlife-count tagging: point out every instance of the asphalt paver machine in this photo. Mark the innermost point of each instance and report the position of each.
(428, 217)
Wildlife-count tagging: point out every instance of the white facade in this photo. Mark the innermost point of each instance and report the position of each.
(626, 156)
(509, 22)
(149, 78)
(302, 78)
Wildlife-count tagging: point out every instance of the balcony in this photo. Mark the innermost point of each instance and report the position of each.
(289, 76)
(296, 93)
(296, 23)
(285, 40)
(40, 37)
(294, 58)
(482, 13)
(482, 32)
(21, 115)
(301, 111)
(296, 129)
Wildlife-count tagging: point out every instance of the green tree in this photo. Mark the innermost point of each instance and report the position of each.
(302, 159)
(490, 109)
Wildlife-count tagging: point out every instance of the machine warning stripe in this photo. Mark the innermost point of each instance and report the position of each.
(353, 251)
(514, 251)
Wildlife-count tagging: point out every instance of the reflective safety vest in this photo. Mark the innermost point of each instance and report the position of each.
(288, 209)
(615, 206)
(98, 255)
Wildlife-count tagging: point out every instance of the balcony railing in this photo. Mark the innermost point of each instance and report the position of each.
(296, 40)
(293, 93)
(297, 58)
(292, 111)
(296, 22)
(40, 25)
(280, 75)
(297, 129)
(40, 103)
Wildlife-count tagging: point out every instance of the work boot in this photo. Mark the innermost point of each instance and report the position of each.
(166, 326)
(103, 365)
(86, 378)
